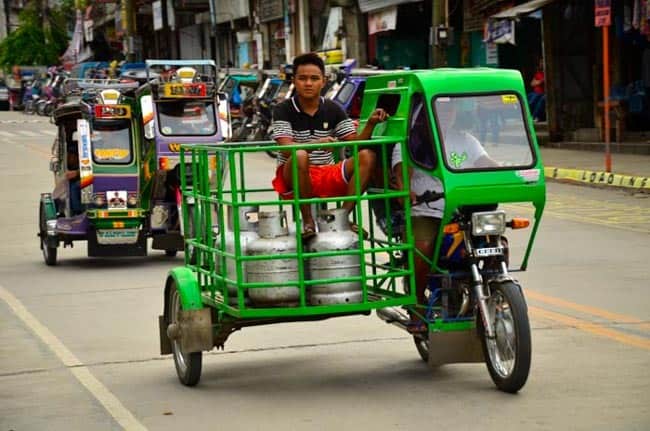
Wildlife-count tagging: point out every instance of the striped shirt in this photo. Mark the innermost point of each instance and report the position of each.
(289, 121)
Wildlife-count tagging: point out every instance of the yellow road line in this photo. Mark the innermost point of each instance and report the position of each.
(615, 317)
(110, 402)
(592, 328)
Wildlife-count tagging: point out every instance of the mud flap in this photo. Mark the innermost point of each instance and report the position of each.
(165, 342)
(450, 347)
(195, 330)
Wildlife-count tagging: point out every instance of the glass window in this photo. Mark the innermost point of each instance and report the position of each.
(420, 138)
(187, 118)
(111, 142)
(483, 132)
(345, 93)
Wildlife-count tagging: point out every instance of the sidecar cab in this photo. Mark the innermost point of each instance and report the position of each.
(469, 128)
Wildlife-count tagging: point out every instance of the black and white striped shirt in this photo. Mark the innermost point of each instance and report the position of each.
(289, 121)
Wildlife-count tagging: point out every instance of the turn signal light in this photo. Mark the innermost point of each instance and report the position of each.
(452, 228)
(519, 223)
(163, 163)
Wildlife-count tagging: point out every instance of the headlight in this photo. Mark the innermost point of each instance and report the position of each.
(489, 223)
(100, 200)
(132, 200)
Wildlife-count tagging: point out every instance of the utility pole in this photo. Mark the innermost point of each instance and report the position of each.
(439, 22)
(128, 17)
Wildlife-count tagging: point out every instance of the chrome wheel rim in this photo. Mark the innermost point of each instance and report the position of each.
(502, 348)
(181, 361)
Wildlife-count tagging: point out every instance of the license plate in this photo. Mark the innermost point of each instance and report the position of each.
(489, 251)
(117, 236)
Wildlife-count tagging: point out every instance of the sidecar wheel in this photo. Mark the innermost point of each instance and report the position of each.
(49, 253)
(188, 365)
(508, 355)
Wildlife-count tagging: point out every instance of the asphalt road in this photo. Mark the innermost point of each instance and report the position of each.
(79, 341)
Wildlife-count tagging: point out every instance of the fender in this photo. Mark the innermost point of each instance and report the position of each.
(188, 288)
(48, 204)
(506, 278)
(194, 328)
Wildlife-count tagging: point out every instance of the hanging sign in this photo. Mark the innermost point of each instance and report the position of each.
(603, 13)
(157, 11)
(85, 163)
(500, 31)
(382, 20)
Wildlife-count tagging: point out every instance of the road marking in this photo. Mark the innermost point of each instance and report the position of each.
(28, 133)
(593, 328)
(110, 402)
(615, 317)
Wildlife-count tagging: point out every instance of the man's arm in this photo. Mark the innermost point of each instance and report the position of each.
(378, 116)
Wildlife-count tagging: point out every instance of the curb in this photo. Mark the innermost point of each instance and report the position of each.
(597, 178)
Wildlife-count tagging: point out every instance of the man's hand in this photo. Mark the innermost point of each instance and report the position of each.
(378, 116)
(71, 175)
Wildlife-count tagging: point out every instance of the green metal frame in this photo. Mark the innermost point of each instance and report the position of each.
(379, 282)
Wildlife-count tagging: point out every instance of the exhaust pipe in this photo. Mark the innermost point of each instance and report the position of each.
(394, 316)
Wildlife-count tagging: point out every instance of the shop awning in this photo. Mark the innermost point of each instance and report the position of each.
(521, 10)
(372, 5)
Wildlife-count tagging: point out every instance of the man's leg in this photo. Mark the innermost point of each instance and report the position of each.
(75, 197)
(304, 184)
(425, 231)
(367, 160)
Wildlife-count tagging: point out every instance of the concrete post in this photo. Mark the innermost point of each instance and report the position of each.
(439, 18)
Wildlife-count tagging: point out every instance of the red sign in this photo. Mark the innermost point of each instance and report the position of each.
(603, 13)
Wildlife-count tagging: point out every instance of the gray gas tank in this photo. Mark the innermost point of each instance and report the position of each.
(248, 226)
(274, 239)
(334, 234)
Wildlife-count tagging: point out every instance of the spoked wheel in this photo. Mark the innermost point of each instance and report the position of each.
(188, 365)
(49, 253)
(507, 355)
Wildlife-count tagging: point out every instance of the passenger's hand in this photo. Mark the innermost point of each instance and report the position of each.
(71, 175)
(378, 116)
(325, 139)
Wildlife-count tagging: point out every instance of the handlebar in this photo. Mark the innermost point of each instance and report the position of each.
(428, 196)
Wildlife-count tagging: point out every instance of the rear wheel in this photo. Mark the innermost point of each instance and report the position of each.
(49, 253)
(508, 354)
(188, 365)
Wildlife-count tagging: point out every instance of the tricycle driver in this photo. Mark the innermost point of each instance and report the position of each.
(462, 151)
(308, 118)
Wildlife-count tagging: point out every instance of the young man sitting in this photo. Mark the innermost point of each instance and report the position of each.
(309, 118)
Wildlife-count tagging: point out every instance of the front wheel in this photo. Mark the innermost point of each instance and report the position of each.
(188, 365)
(508, 354)
(49, 253)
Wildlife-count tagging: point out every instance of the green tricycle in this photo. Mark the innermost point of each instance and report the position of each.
(457, 152)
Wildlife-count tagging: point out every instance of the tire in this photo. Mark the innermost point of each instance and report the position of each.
(49, 109)
(421, 341)
(49, 253)
(422, 346)
(188, 365)
(40, 108)
(508, 366)
(171, 253)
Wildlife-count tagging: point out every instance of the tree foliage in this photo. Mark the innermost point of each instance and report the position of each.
(41, 37)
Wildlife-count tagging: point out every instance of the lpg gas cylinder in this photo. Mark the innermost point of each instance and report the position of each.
(247, 233)
(334, 234)
(274, 240)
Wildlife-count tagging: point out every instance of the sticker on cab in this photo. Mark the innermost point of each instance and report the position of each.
(508, 99)
(529, 175)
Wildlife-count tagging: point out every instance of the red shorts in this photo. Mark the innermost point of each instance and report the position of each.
(327, 181)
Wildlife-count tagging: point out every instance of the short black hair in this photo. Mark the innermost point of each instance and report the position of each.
(308, 58)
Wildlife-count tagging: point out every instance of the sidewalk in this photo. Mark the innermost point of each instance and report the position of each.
(581, 166)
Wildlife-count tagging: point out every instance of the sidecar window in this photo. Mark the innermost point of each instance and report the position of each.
(420, 139)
